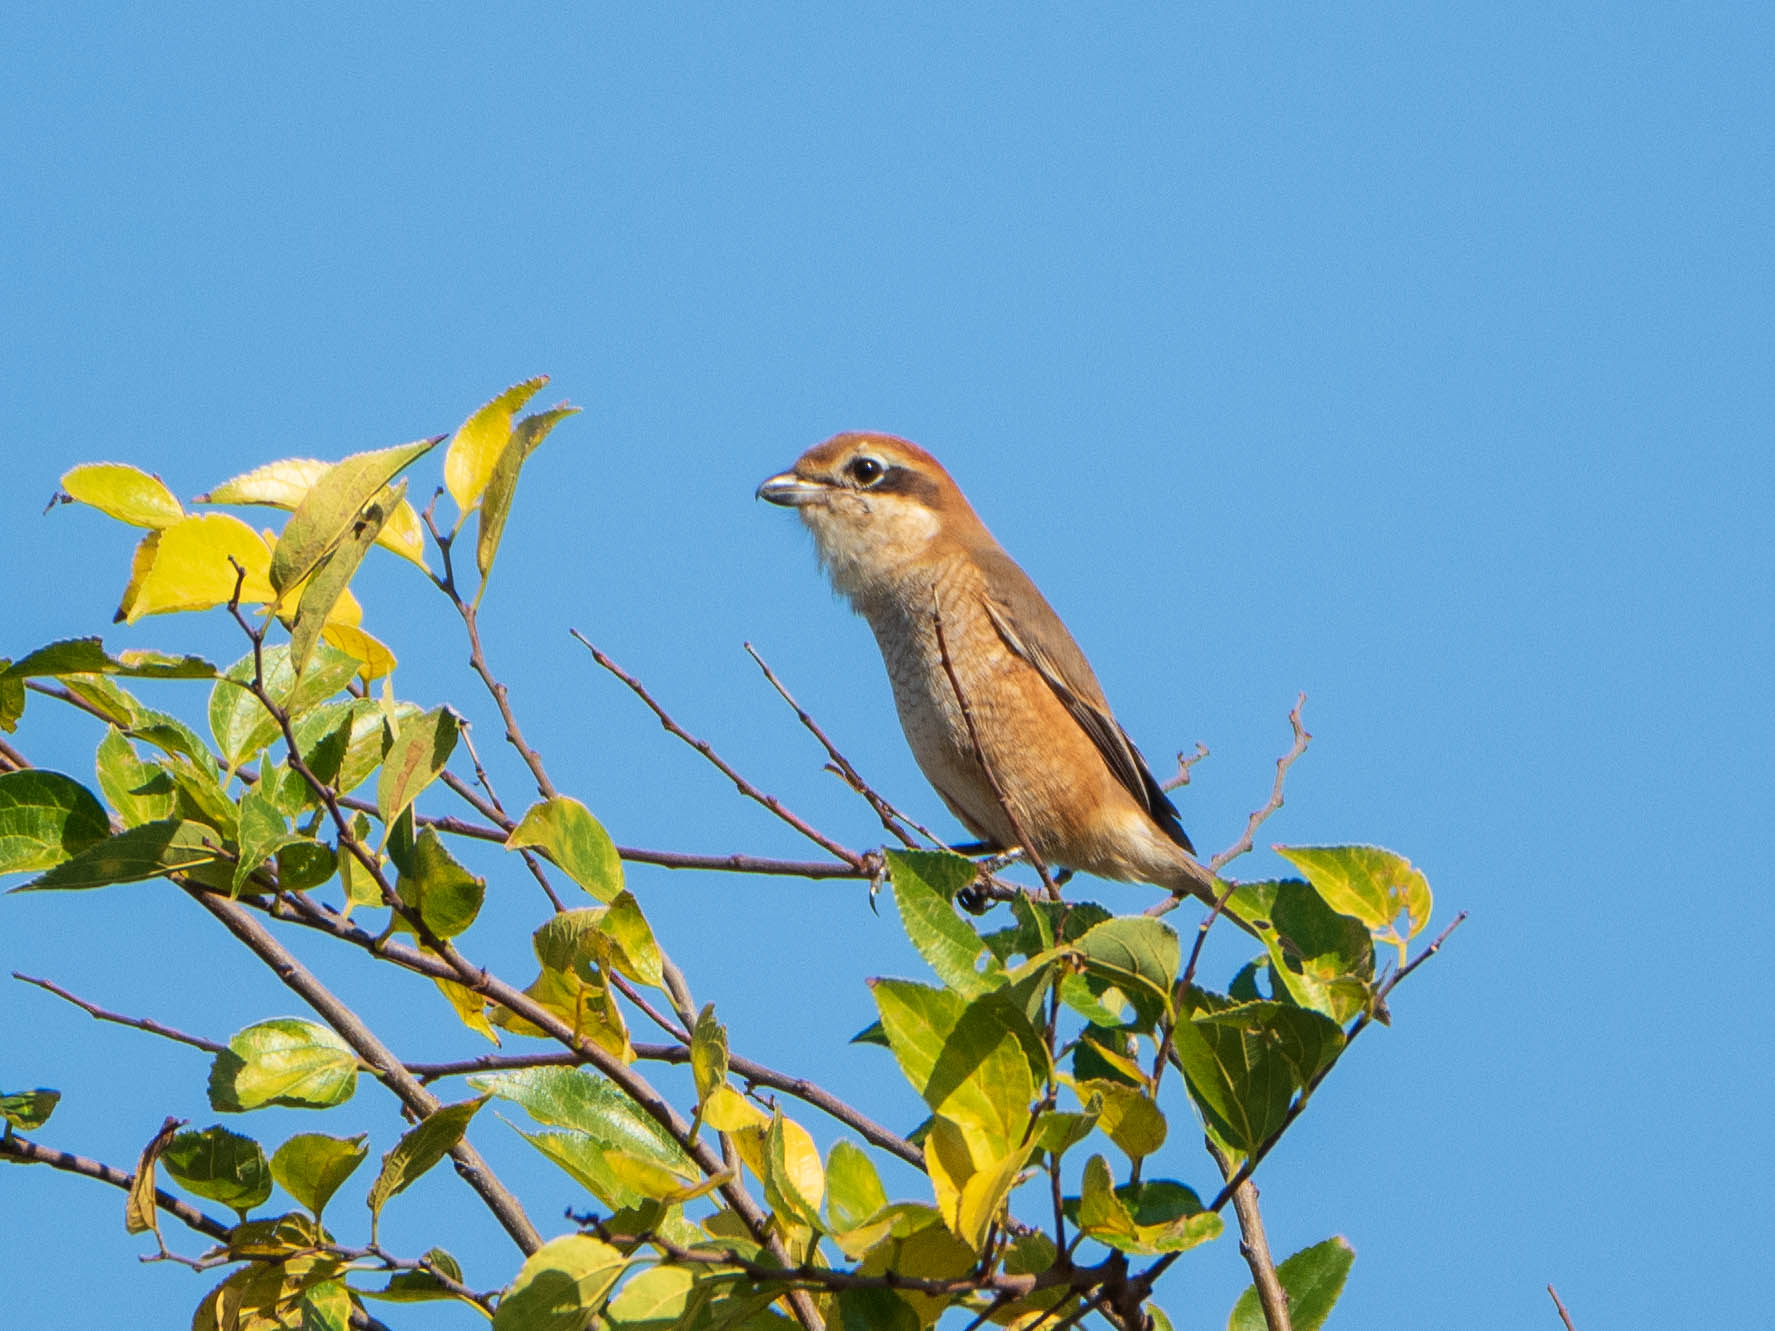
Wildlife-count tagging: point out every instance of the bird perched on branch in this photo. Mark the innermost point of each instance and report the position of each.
(1001, 709)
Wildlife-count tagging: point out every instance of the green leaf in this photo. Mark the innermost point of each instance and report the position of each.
(1127, 1115)
(1324, 960)
(853, 1188)
(1244, 1065)
(106, 697)
(969, 1060)
(564, 830)
(29, 1110)
(420, 1286)
(446, 895)
(478, 443)
(126, 493)
(925, 883)
(263, 832)
(864, 1309)
(1134, 948)
(140, 792)
(1313, 1278)
(794, 1179)
(152, 850)
(343, 742)
(560, 1286)
(87, 656)
(418, 1150)
(12, 698)
(46, 818)
(587, 1161)
(285, 1061)
(1147, 1218)
(656, 1298)
(420, 749)
(708, 1053)
(311, 1165)
(582, 1101)
(221, 1165)
(243, 728)
(633, 949)
(330, 509)
(324, 587)
(1372, 884)
(502, 485)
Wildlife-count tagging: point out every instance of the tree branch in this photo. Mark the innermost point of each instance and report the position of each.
(15, 1147)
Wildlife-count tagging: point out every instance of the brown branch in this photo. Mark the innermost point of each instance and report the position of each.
(1254, 1247)
(998, 791)
(240, 922)
(745, 787)
(11, 759)
(25, 1151)
(139, 1023)
(1258, 816)
(891, 818)
(1564, 1316)
(1184, 764)
(531, 861)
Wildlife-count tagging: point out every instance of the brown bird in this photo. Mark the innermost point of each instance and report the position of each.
(1060, 777)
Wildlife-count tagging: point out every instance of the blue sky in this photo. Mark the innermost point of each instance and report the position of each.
(1418, 358)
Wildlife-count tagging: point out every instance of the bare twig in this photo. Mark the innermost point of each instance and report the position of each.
(11, 759)
(1256, 820)
(998, 791)
(892, 819)
(15, 1147)
(745, 787)
(1254, 1247)
(1564, 1316)
(140, 1023)
(530, 858)
(1185, 763)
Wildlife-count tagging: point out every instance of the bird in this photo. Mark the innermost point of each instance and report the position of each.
(1002, 711)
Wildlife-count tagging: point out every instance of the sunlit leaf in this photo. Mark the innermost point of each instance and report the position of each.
(582, 1101)
(285, 484)
(502, 484)
(1313, 1279)
(1374, 885)
(925, 882)
(708, 1053)
(476, 446)
(1127, 1115)
(420, 750)
(560, 1285)
(564, 830)
(418, 1150)
(191, 565)
(331, 508)
(126, 493)
(853, 1188)
(311, 1166)
(87, 656)
(327, 583)
(140, 792)
(286, 1061)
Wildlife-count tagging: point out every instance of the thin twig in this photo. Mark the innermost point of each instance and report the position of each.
(11, 759)
(745, 787)
(15, 1147)
(998, 791)
(531, 861)
(139, 1023)
(1564, 1316)
(1254, 1247)
(1258, 816)
(892, 819)
(1184, 764)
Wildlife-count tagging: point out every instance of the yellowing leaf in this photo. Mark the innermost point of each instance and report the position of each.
(333, 506)
(560, 1285)
(475, 448)
(127, 493)
(285, 484)
(377, 658)
(190, 565)
(565, 830)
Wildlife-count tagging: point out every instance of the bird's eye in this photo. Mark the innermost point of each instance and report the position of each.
(865, 470)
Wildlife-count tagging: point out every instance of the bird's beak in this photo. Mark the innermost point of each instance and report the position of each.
(789, 490)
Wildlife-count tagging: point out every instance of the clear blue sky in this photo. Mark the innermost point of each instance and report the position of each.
(1418, 357)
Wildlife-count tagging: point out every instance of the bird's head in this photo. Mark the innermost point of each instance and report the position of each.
(880, 509)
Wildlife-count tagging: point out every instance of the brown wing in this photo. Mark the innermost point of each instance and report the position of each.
(1050, 650)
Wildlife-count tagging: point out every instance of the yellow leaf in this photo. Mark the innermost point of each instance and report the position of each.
(471, 1009)
(729, 1111)
(127, 493)
(189, 567)
(353, 641)
(971, 1187)
(478, 442)
(285, 484)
